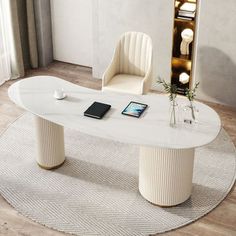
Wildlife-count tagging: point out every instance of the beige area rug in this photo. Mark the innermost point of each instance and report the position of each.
(96, 191)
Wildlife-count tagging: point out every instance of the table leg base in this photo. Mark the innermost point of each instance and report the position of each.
(50, 168)
(50, 144)
(165, 175)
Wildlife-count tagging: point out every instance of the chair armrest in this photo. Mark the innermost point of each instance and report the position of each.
(146, 83)
(112, 69)
(109, 73)
(147, 80)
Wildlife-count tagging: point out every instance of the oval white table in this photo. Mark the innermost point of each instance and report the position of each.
(166, 153)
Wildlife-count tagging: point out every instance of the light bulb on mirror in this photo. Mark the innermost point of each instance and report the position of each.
(184, 78)
(187, 38)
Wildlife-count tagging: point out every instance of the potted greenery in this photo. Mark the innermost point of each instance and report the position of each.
(171, 89)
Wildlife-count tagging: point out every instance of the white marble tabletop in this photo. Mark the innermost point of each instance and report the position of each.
(35, 95)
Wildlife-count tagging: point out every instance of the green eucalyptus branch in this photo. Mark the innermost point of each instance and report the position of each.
(169, 88)
(191, 93)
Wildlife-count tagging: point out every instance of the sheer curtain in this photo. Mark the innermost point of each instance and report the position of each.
(5, 63)
(25, 37)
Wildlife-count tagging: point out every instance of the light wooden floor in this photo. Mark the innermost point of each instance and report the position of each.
(221, 221)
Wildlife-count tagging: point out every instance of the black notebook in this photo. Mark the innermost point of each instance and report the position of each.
(97, 110)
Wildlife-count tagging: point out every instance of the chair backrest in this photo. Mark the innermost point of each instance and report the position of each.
(135, 53)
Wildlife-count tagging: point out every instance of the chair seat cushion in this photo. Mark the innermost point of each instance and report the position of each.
(125, 83)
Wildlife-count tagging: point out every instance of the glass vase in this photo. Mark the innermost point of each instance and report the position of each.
(191, 113)
(173, 113)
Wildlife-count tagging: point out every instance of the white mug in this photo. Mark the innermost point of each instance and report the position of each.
(59, 93)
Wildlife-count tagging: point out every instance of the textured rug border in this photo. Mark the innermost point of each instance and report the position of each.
(12, 122)
(19, 211)
(180, 226)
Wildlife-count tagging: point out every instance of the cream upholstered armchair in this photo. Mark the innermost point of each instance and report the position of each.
(131, 68)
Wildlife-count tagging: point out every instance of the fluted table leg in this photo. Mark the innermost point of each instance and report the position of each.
(50, 143)
(165, 175)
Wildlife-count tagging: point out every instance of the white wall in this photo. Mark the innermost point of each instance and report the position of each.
(72, 31)
(216, 52)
